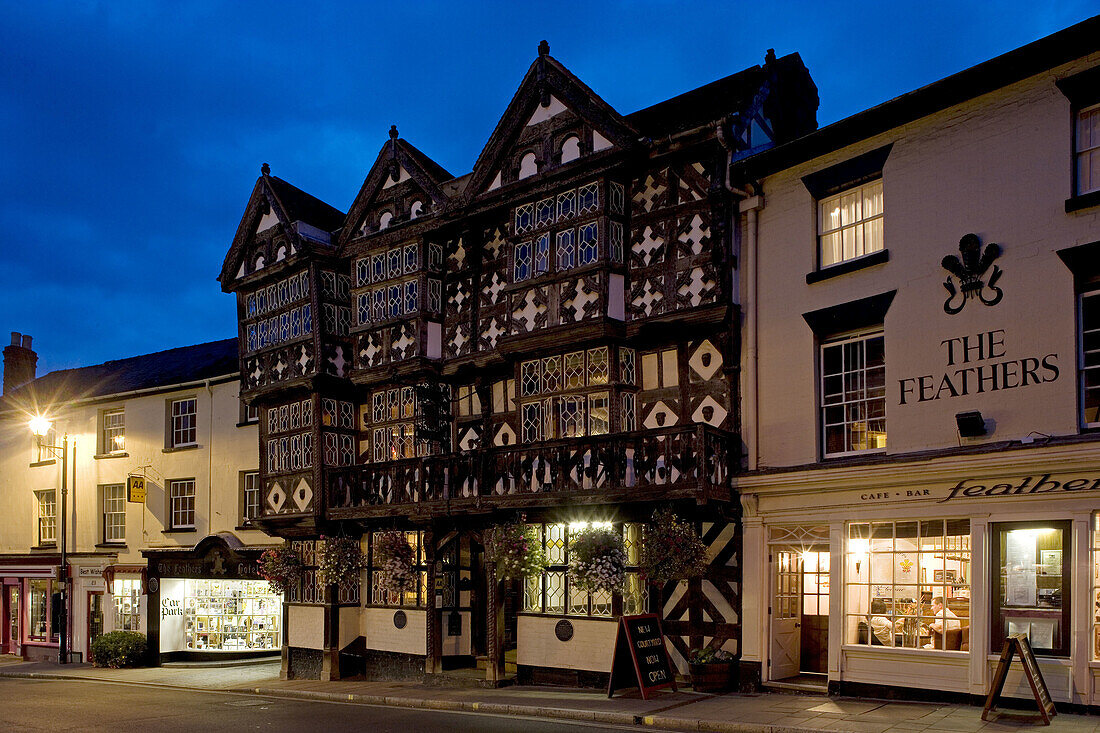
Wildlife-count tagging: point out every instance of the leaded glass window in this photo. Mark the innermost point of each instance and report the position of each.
(542, 254)
(566, 249)
(521, 269)
(587, 248)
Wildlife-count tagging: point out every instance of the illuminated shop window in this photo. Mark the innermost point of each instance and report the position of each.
(908, 584)
(231, 615)
(1031, 585)
(127, 598)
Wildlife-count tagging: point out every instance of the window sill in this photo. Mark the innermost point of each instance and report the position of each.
(178, 530)
(1084, 201)
(853, 454)
(178, 448)
(111, 546)
(48, 462)
(100, 456)
(247, 527)
(45, 546)
(246, 423)
(843, 268)
(908, 650)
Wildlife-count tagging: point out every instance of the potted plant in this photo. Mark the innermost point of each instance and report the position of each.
(516, 550)
(394, 555)
(339, 560)
(671, 549)
(711, 669)
(597, 559)
(281, 567)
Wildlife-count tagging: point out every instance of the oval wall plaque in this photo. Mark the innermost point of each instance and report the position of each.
(400, 619)
(564, 630)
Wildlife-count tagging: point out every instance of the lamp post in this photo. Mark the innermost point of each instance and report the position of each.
(41, 427)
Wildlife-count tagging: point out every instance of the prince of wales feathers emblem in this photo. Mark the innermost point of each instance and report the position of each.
(969, 270)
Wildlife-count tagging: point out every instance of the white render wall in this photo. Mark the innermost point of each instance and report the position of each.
(998, 166)
(224, 450)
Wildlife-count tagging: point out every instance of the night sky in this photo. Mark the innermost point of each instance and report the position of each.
(132, 133)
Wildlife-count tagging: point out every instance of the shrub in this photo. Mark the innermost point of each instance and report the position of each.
(119, 649)
(708, 655)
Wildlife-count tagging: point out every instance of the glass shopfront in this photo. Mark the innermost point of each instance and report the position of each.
(230, 615)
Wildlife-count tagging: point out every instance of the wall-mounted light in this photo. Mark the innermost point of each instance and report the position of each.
(971, 424)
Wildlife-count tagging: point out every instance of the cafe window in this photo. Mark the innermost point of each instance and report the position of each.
(1031, 582)
(908, 584)
(1096, 586)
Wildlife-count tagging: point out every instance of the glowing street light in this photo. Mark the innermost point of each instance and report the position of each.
(41, 427)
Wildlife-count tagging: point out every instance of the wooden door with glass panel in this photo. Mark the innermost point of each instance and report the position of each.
(786, 636)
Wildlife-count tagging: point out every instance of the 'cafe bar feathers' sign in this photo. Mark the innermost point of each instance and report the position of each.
(978, 488)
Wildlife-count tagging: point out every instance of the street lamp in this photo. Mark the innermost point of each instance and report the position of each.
(41, 427)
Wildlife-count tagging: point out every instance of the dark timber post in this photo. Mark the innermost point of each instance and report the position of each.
(494, 670)
(433, 659)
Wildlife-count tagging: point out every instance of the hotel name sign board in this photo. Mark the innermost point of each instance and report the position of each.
(977, 364)
(1046, 484)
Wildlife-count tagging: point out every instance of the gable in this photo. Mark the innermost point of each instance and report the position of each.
(402, 185)
(552, 120)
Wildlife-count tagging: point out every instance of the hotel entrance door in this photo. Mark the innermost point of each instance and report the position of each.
(799, 612)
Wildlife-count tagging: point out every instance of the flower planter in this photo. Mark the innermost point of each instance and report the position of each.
(712, 677)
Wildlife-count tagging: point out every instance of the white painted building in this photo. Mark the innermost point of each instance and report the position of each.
(921, 385)
(173, 418)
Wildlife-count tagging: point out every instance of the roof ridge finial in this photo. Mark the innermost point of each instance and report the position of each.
(544, 48)
(265, 170)
(769, 57)
(393, 132)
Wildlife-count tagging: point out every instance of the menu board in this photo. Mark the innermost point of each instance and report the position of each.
(1020, 566)
(641, 657)
(1013, 644)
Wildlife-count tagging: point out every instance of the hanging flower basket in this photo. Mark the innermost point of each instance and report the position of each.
(671, 549)
(515, 549)
(394, 555)
(597, 560)
(281, 567)
(339, 559)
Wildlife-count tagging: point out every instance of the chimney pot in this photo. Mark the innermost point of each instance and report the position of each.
(26, 342)
(20, 362)
(15, 336)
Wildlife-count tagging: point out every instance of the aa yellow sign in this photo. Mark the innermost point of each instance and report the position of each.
(135, 489)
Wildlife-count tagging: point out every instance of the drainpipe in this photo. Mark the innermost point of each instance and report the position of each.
(749, 204)
(210, 463)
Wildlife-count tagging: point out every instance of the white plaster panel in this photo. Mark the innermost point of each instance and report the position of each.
(541, 114)
(306, 627)
(902, 668)
(380, 633)
(349, 625)
(590, 648)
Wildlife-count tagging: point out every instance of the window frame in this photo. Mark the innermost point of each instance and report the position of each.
(174, 419)
(1083, 370)
(43, 520)
(1094, 149)
(250, 484)
(861, 336)
(175, 523)
(996, 627)
(866, 555)
(106, 503)
(108, 434)
(860, 225)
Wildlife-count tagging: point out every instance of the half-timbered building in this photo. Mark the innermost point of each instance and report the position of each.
(554, 335)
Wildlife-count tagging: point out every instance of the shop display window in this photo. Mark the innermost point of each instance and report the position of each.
(1031, 582)
(1096, 586)
(908, 584)
(231, 615)
(38, 610)
(127, 596)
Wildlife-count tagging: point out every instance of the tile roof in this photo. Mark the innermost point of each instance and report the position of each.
(149, 371)
(301, 206)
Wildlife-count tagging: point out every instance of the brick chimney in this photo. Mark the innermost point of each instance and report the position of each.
(20, 362)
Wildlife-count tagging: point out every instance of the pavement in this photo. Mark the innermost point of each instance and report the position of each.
(684, 710)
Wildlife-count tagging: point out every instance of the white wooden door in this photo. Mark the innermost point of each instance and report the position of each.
(786, 616)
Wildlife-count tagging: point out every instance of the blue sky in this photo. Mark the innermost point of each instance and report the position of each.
(134, 132)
